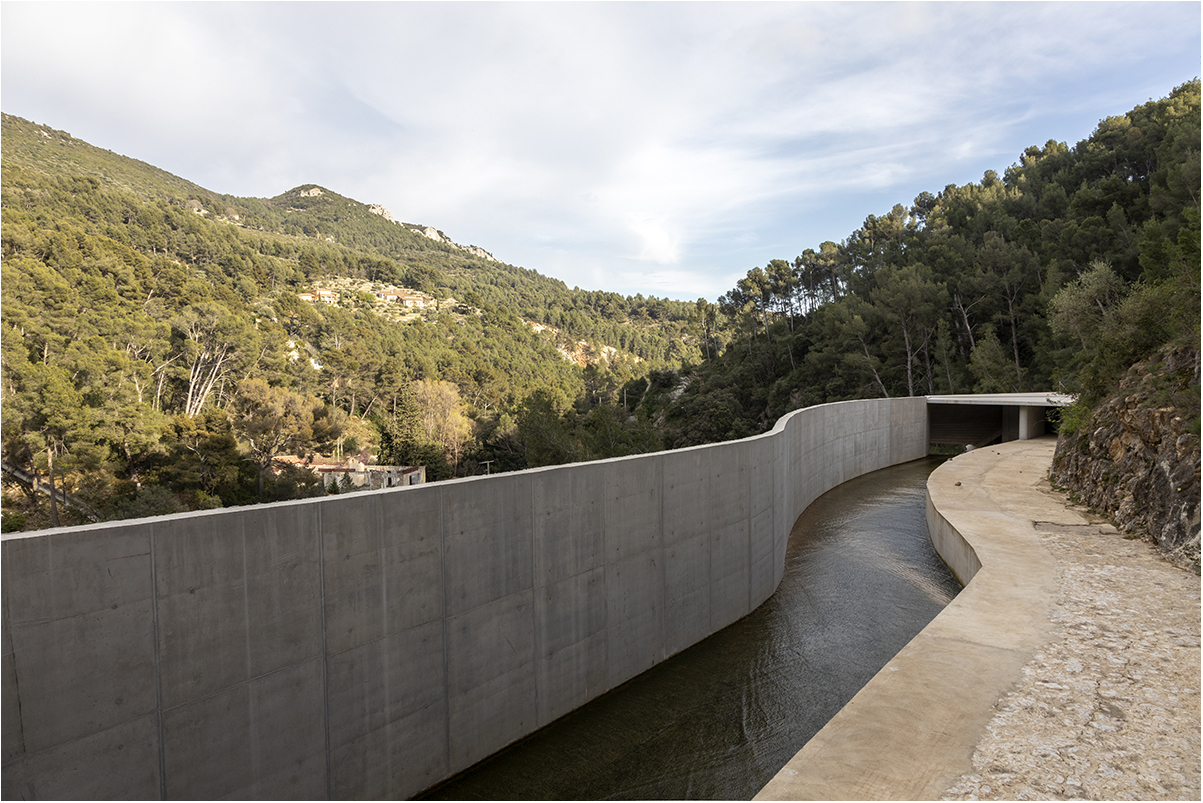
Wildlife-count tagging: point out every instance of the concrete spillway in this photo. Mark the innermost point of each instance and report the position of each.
(371, 645)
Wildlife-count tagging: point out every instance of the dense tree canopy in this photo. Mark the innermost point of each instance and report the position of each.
(153, 332)
(157, 354)
(1056, 276)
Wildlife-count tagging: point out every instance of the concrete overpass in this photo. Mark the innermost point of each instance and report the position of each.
(979, 419)
(370, 645)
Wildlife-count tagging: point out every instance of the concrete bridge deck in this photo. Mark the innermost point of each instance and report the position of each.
(979, 419)
(1067, 668)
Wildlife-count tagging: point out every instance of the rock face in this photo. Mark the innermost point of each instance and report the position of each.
(478, 252)
(1137, 459)
(377, 209)
(439, 237)
(426, 231)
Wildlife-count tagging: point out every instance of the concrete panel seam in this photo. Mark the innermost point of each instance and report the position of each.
(16, 685)
(321, 583)
(442, 508)
(154, 608)
(246, 606)
(378, 524)
(536, 635)
(751, 532)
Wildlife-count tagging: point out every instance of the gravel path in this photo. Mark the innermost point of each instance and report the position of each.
(1109, 708)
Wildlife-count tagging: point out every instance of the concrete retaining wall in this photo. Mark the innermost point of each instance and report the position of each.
(910, 733)
(952, 547)
(370, 645)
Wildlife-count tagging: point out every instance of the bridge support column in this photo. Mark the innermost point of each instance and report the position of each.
(1031, 422)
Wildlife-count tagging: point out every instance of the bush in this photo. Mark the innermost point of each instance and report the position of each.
(1072, 418)
(12, 521)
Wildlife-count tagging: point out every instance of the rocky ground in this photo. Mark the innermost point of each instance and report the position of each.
(1137, 457)
(1109, 708)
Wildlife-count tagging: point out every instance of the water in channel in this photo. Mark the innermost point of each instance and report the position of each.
(718, 720)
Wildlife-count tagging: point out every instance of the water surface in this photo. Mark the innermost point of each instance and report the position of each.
(718, 720)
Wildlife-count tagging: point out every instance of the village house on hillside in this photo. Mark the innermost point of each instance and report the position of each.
(360, 475)
(414, 300)
(324, 296)
(410, 299)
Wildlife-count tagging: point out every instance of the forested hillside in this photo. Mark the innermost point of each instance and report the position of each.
(1056, 275)
(157, 354)
(153, 329)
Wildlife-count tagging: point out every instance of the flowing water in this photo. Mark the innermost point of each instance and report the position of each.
(720, 719)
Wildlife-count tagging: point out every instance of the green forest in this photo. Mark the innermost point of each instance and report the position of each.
(158, 357)
(1055, 276)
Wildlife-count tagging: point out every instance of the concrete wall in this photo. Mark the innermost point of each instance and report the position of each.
(911, 732)
(952, 547)
(370, 645)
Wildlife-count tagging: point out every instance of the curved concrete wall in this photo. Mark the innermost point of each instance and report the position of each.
(910, 733)
(373, 644)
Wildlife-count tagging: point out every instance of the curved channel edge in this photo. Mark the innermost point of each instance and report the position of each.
(910, 733)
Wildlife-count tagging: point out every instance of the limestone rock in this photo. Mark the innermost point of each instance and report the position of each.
(436, 235)
(1138, 460)
(377, 209)
(480, 253)
(439, 237)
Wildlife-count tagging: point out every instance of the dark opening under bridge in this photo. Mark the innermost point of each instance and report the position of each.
(979, 419)
(370, 645)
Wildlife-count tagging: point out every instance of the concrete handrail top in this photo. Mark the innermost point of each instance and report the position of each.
(910, 733)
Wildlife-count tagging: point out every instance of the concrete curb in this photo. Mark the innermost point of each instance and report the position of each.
(911, 732)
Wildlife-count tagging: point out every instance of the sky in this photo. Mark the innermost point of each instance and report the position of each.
(636, 147)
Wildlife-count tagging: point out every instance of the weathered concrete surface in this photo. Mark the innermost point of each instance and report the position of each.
(373, 644)
(1109, 708)
(1044, 677)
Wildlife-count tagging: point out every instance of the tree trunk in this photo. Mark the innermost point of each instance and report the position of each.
(53, 500)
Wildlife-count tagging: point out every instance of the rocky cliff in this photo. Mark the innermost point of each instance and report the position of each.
(429, 231)
(1137, 456)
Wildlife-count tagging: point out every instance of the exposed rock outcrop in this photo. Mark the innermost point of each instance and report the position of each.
(478, 252)
(435, 234)
(439, 237)
(377, 209)
(1137, 458)
(426, 231)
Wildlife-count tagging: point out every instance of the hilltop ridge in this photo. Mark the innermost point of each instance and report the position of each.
(49, 151)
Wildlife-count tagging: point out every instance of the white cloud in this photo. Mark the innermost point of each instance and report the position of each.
(593, 141)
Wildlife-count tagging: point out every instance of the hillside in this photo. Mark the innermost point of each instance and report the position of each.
(1058, 274)
(154, 330)
(139, 310)
(1077, 270)
(336, 227)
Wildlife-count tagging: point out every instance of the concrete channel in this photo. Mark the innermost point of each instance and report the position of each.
(910, 733)
(372, 645)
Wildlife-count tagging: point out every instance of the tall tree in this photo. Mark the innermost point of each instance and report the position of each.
(443, 420)
(910, 303)
(43, 421)
(211, 344)
(273, 421)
